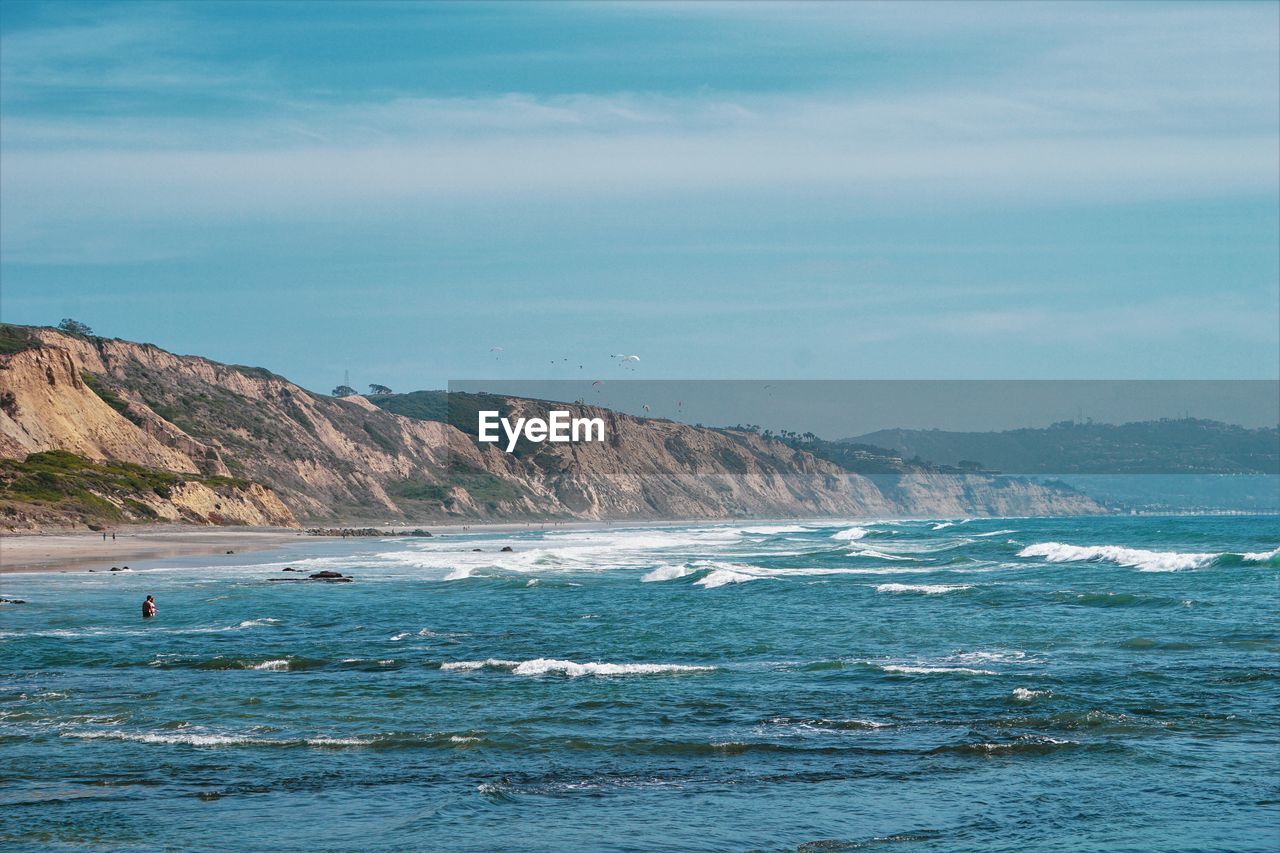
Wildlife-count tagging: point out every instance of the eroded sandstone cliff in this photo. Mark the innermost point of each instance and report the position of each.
(328, 458)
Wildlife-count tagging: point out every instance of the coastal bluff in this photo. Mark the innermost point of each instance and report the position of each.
(243, 445)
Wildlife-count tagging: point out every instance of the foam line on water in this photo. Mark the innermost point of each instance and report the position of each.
(573, 669)
(923, 588)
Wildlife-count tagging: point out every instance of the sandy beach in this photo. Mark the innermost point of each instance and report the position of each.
(63, 551)
(51, 552)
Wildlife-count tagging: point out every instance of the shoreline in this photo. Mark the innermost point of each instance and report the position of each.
(22, 553)
(66, 551)
(57, 552)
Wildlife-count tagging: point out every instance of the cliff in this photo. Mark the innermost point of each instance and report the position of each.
(56, 489)
(325, 458)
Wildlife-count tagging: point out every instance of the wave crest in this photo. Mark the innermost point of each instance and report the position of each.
(573, 669)
(1142, 559)
(922, 588)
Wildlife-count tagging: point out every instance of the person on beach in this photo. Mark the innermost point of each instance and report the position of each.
(148, 608)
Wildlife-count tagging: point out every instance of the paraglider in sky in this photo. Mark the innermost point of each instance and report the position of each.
(596, 385)
(645, 407)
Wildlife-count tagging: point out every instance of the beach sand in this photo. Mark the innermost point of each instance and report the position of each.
(51, 552)
(62, 551)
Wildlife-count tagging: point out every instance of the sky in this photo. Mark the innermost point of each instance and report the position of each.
(729, 190)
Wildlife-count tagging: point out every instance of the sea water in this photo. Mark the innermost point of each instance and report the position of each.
(1099, 683)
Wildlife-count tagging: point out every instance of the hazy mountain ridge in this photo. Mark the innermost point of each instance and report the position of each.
(1169, 446)
(326, 458)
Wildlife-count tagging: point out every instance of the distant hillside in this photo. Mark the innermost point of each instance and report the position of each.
(140, 433)
(1182, 446)
(662, 454)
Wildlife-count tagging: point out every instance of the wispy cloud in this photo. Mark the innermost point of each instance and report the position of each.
(612, 149)
(1123, 102)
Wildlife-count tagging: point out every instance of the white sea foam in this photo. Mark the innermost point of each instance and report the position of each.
(551, 666)
(666, 573)
(723, 574)
(880, 555)
(189, 739)
(923, 588)
(992, 533)
(724, 577)
(1025, 694)
(335, 741)
(1138, 558)
(272, 665)
(253, 623)
(468, 665)
(459, 574)
(943, 525)
(998, 656)
(1261, 556)
(850, 534)
(930, 670)
(544, 666)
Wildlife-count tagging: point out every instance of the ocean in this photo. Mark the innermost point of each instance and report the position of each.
(995, 684)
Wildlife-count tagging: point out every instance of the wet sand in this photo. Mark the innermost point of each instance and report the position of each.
(54, 552)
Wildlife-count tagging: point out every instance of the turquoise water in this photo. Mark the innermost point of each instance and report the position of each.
(987, 684)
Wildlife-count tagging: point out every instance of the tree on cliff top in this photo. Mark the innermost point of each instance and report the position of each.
(75, 327)
(344, 391)
(376, 389)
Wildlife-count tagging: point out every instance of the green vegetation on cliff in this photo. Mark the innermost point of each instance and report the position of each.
(15, 339)
(57, 483)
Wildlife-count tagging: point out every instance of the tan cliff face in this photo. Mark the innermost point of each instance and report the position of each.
(954, 495)
(655, 468)
(52, 408)
(326, 458)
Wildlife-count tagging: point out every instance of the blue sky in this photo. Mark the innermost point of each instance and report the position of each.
(1087, 190)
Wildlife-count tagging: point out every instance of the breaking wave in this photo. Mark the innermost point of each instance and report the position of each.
(666, 573)
(272, 665)
(922, 588)
(904, 669)
(1142, 559)
(549, 666)
(880, 555)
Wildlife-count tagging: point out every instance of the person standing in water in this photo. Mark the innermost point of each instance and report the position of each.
(148, 608)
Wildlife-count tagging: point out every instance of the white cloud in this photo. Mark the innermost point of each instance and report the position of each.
(1126, 103)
